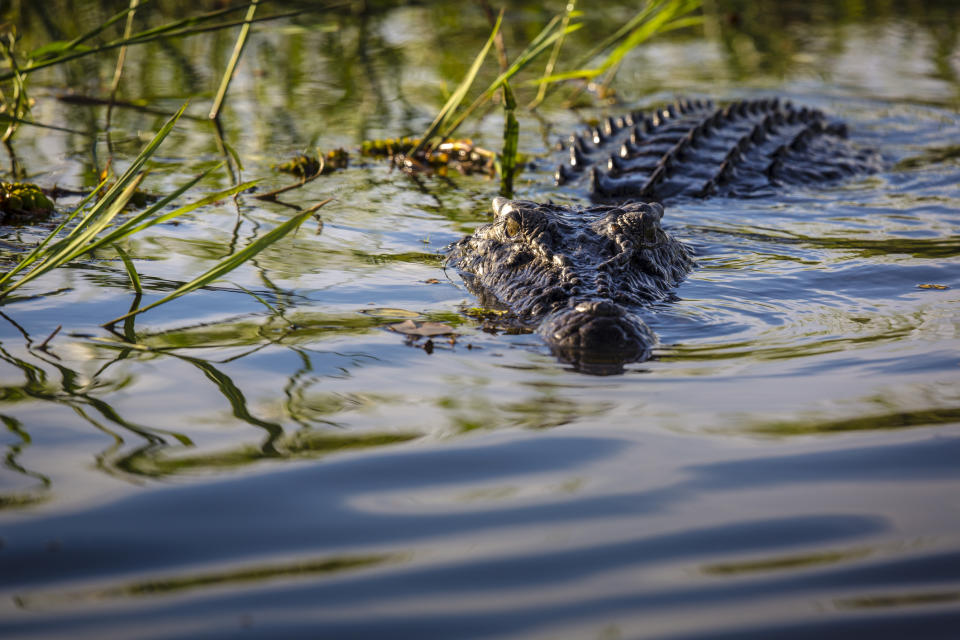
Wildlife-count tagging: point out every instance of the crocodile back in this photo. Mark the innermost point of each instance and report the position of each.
(693, 149)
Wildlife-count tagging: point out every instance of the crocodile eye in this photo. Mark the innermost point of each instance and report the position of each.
(631, 222)
(512, 225)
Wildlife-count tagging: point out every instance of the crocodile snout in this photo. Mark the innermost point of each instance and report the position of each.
(598, 336)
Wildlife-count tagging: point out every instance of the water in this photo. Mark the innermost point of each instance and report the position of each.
(785, 467)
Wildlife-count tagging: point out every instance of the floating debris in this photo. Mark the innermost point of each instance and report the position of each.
(307, 166)
(390, 312)
(302, 166)
(422, 329)
(462, 155)
(483, 313)
(23, 202)
(388, 147)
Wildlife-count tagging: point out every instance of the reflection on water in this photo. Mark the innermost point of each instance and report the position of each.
(266, 457)
(510, 564)
(175, 585)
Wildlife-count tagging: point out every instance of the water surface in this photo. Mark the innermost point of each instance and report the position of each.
(784, 467)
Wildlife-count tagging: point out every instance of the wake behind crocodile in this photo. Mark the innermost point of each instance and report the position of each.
(579, 275)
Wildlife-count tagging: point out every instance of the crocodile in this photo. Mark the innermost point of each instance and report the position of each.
(578, 275)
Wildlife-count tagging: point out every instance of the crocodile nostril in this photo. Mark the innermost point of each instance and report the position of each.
(601, 308)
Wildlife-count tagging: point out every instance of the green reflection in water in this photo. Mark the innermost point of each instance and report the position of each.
(239, 577)
(746, 350)
(930, 156)
(784, 563)
(429, 259)
(154, 461)
(16, 500)
(157, 463)
(889, 245)
(927, 248)
(872, 422)
(74, 392)
(154, 458)
(301, 327)
(761, 38)
(544, 409)
(898, 600)
(548, 410)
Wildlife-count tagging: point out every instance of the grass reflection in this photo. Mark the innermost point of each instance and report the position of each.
(784, 563)
(301, 444)
(872, 422)
(930, 156)
(856, 246)
(296, 328)
(890, 601)
(543, 409)
(162, 451)
(74, 392)
(10, 461)
(760, 348)
(240, 577)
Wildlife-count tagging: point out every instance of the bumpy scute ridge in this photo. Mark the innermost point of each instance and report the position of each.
(693, 150)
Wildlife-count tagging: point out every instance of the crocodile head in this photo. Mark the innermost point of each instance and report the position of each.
(576, 274)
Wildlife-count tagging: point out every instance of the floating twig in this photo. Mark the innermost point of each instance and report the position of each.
(272, 195)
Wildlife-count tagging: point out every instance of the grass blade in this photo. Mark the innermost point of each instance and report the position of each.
(528, 55)
(73, 44)
(511, 131)
(121, 58)
(657, 16)
(229, 263)
(172, 30)
(142, 220)
(460, 93)
(647, 29)
(234, 60)
(137, 163)
(76, 242)
(131, 270)
(620, 33)
(19, 106)
(93, 221)
(555, 54)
